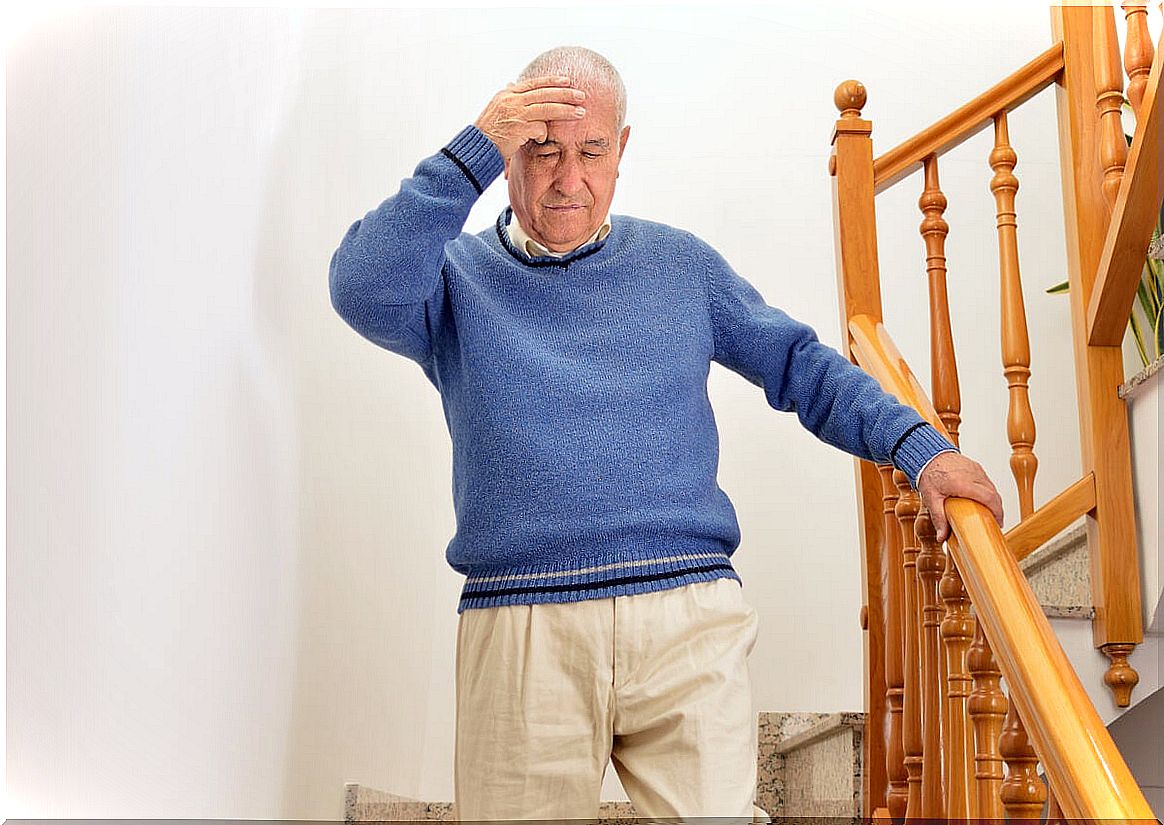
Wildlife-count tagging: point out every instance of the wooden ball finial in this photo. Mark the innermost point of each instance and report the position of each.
(850, 98)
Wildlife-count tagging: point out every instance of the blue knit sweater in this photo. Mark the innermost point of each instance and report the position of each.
(575, 388)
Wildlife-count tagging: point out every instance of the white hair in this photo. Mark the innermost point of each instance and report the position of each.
(584, 67)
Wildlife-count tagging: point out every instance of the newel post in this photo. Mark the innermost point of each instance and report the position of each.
(859, 287)
(1088, 36)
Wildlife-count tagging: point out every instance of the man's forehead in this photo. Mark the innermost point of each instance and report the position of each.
(580, 132)
(600, 122)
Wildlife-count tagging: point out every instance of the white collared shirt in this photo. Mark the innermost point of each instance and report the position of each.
(529, 246)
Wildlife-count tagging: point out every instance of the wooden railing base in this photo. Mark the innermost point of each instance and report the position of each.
(1037, 528)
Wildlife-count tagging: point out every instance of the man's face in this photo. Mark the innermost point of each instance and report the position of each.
(561, 190)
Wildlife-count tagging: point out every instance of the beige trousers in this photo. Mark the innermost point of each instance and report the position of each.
(656, 683)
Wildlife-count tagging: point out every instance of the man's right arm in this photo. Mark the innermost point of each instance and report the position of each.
(389, 263)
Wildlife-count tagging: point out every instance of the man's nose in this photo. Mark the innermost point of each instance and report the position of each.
(568, 180)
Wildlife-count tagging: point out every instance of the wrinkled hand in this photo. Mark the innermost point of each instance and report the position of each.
(520, 112)
(953, 474)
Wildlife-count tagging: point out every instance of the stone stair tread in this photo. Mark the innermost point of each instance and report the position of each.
(1071, 537)
(810, 764)
(829, 725)
(1059, 574)
(365, 804)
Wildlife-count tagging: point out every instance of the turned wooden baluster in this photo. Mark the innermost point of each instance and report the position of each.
(956, 628)
(1109, 82)
(1016, 348)
(1023, 791)
(906, 510)
(957, 633)
(930, 562)
(1138, 52)
(987, 710)
(898, 795)
(943, 365)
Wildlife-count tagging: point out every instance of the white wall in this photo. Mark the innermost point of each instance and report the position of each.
(1143, 752)
(227, 591)
(1147, 473)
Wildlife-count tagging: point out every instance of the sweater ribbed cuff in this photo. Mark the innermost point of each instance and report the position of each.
(476, 155)
(917, 447)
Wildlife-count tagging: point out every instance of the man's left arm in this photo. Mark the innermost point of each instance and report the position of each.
(837, 401)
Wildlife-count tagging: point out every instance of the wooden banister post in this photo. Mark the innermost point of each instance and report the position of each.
(1103, 420)
(859, 288)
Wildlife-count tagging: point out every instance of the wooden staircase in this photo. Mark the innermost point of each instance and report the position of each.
(948, 625)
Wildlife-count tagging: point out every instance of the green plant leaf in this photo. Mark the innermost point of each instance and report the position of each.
(1153, 289)
(1149, 296)
(1138, 334)
(1155, 280)
(1159, 335)
(1144, 296)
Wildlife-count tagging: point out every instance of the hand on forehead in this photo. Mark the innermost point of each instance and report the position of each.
(522, 111)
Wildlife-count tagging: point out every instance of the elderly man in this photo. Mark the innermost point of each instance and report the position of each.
(601, 618)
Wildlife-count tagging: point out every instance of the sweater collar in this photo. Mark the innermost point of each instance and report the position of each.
(589, 248)
(522, 240)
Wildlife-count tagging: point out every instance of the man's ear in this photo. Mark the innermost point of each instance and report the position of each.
(508, 160)
(622, 145)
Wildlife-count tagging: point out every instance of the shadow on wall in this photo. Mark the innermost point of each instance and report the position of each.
(1137, 734)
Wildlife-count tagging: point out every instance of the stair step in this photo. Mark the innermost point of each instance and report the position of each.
(810, 764)
(830, 725)
(1059, 574)
(364, 804)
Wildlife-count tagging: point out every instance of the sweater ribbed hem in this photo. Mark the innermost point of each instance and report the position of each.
(931, 458)
(574, 582)
(477, 157)
(917, 446)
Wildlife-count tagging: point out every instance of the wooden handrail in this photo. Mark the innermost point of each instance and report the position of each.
(968, 120)
(1089, 777)
(1130, 230)
(876, 353)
